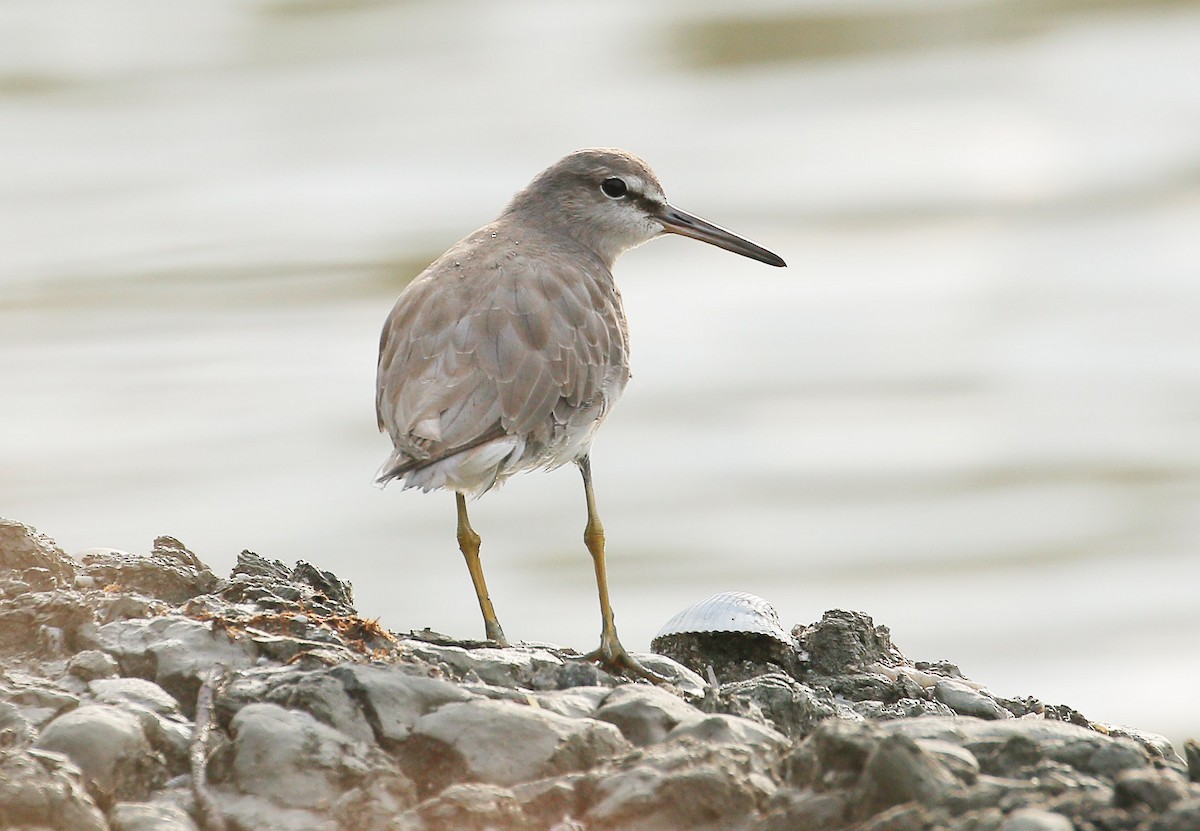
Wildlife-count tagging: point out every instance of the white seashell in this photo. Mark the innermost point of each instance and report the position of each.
(728, 612)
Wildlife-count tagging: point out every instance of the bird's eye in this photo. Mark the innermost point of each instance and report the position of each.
(614, 188)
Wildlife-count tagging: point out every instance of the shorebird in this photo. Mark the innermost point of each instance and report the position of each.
(507, 353)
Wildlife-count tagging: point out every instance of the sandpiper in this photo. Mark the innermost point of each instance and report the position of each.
(508, 352)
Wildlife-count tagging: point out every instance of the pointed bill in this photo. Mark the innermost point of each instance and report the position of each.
(675, 221)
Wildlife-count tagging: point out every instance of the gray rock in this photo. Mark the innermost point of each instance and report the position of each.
(91, 664)
(1159, 789)
(721, 728)
(393, 700)
(968, 701)
(899, 770)
(774, 699)
(320, 693)
(174, 652)
(551, 800)
(1004, 748)
(1182, 816)
(834, 755)
(136, 691)
(645, 714)
(247, 812)
(41, 789)
(293, 759)
(686, 680)
(958, 760)
(808, 809)
(30, 561)
(473, 807)
(110, 747)
(504, 744)
(145, 816)
(169, 573)
(1034, 819)
(697, 788)
(904, 708)
(35, 700)
(576, 702)
(502, 667)
(843, 641)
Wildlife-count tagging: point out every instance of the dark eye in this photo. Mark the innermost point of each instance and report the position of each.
(614, 188)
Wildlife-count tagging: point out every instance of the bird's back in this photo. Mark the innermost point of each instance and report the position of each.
(504, 355)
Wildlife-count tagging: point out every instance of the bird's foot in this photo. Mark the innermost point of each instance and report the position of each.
(610, 655)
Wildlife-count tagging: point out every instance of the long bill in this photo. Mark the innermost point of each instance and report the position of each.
(675, 221)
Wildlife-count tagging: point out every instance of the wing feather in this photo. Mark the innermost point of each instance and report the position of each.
(504, 344)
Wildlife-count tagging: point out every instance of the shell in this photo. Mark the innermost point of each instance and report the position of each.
(728, 612)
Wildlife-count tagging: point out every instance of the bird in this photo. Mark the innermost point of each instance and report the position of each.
(508, 352)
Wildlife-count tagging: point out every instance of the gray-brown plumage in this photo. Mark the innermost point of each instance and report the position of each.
(507, 353)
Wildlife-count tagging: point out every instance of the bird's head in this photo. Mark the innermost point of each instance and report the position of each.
(611, 201)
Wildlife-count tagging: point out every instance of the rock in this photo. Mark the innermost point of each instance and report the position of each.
(110, 748)
(1157, 789)
(323, 713)
(721, 728)
(40, 623)
(30, 561)
(473, 807)
(41, 789)
(645, 714)
(697, 788)
(246, 812)
(833, 756)
(136, 691)
(577, 702)
(504, 744)
(502, 667)
(1182, 816)
(91, 664)
(552, 800)
(808, 809)
(1033, 819)
(320, 693)
(34, 700)
(170, 573)
(143, 816)
(958, 760)
(967, 701)
(1005, 748)
(686, 680)
(843, 641)
(393, 700)
(273, 587)
(778, 701)
(294, 760)
(174, 652)
(898, 770)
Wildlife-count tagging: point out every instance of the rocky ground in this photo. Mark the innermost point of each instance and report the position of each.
(143, 692)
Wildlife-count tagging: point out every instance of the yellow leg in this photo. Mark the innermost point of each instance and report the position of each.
(610, 654)
(468, 544)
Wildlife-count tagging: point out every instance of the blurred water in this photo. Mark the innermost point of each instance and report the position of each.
(971, 406)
